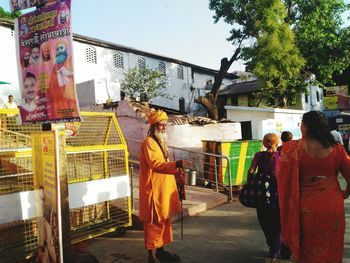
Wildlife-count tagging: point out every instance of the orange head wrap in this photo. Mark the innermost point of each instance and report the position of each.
(157, 116)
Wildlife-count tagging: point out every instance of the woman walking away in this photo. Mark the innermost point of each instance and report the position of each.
(268, 215)
(310, 198)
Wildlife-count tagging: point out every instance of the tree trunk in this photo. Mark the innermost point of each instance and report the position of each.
(210, 99)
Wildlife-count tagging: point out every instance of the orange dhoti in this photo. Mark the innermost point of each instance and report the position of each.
(157, 234)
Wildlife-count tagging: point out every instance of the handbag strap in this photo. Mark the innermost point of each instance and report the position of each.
(261, 163)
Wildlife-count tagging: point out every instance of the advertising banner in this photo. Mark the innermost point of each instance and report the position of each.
(50, 191)
(45, 62)
(17, 5)
(336, 98)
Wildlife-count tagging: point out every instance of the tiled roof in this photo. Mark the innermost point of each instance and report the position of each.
(143, 111)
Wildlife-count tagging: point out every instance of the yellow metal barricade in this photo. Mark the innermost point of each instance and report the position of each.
(97, 152)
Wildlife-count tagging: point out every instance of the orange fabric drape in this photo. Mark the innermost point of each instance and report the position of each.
(62, 99)
(312, 212)
(158, 194)
(157, 234)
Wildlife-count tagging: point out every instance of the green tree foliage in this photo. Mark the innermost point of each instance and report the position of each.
(275, 59)
(146, 82)
(318, 31)
(237, 13)
(321, 37)
(9, 15)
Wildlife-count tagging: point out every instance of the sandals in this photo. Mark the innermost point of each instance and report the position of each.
(166, 256)
(153, 260)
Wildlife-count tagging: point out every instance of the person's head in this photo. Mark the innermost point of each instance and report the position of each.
(29, 87)
(10, 97)
(15, 5)
(314, 125)
(24, 4)
(26, 59)
(45, 52)
(286, 136)
(35, 55)
(270, 141)
(61, 51)
(157, 120)
(63, 14)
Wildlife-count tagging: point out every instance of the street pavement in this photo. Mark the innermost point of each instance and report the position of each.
(214, 231)
(227, 233)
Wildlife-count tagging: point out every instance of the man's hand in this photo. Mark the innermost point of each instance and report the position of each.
(180, 177)
(182, 163)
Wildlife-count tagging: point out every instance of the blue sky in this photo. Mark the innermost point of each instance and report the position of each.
(180, 29)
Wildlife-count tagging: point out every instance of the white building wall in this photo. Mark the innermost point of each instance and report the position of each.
(313, 103)
(103, 72)
(264, 120)
(8, 66)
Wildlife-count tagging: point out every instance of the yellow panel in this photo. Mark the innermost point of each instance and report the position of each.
(241, 163)
(98, 150)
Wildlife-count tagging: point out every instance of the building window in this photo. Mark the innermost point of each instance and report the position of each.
(234, 100)
(306, 98)
(180, 72)
(141, 62)
(162, 69)
(318, 96)
(90, 55)
(118, 60)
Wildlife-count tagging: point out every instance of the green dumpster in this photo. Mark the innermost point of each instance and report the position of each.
(240, 155)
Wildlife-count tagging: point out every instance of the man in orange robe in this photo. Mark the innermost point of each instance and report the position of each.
(159, 198)
(61, 90)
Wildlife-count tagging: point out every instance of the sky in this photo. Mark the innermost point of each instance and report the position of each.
(179, 29)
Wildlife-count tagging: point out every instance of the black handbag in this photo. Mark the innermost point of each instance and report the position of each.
(260, 189)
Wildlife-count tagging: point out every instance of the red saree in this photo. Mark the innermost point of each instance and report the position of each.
(312, 211)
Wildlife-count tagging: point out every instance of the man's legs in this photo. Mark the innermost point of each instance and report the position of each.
(157, 235)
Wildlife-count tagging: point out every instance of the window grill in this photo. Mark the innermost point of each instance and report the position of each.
(180, 72)
(162, 68)
(141, 62)
(90, 55)
(118, 60)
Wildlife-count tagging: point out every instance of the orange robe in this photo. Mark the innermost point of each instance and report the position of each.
(159, 198)
(62, 99)
(312, 211)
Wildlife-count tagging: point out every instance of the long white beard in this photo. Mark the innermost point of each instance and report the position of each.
(162, 139)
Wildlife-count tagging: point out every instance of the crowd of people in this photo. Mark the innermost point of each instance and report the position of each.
(308, 222)
(305, 224)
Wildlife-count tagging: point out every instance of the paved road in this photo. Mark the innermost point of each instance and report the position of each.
(223, 234)
(226, 234)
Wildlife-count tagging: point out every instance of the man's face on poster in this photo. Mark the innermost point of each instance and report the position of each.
(26, 59)
(46, 55)
(61, 53)
(35, 55)
(24, 4)
(63, 16)
(29, 89)
(15, 4)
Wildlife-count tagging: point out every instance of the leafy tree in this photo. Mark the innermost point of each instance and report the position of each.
(238, 14)
(275, 59)
(321, 36)
(323, 43)
(9, 15)
(146, 82)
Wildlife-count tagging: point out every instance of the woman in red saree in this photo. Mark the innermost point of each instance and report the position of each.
(311, 201)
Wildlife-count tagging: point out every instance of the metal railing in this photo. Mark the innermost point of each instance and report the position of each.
(207, 172)
(98, 152)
